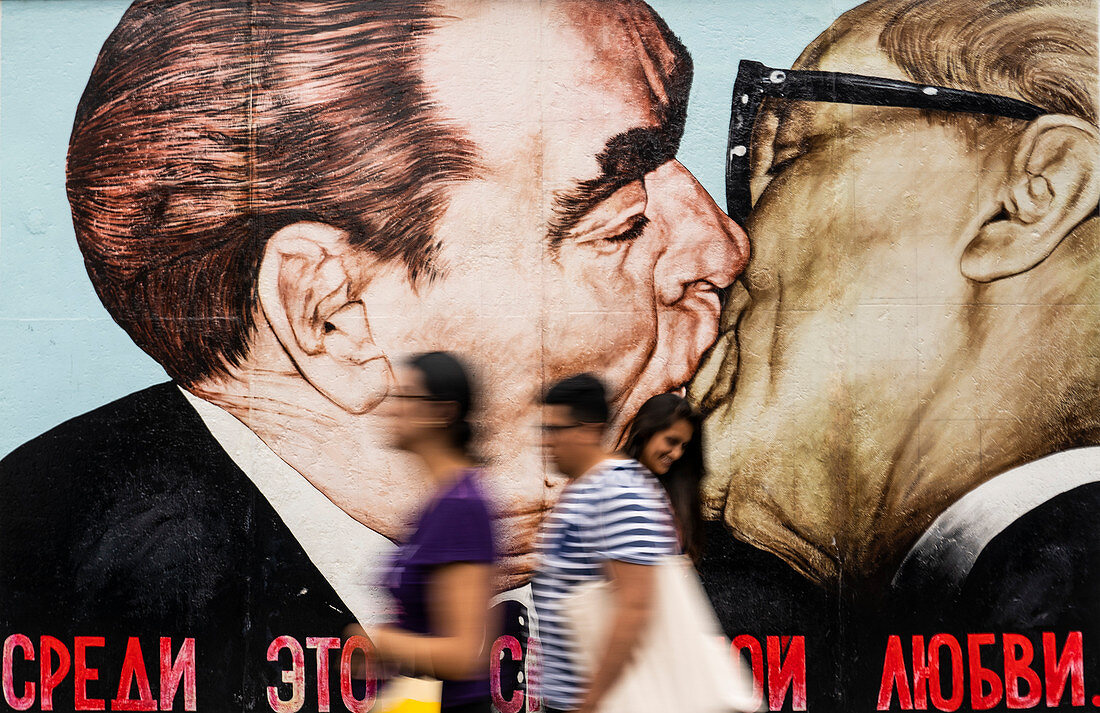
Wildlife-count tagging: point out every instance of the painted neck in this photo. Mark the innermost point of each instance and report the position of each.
(343, 455)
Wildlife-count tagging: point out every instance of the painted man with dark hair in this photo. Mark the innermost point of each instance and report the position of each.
(279, 200)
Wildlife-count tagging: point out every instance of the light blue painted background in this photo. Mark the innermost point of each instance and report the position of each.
(61, 353)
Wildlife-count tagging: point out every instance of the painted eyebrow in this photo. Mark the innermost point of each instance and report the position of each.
(626, 157)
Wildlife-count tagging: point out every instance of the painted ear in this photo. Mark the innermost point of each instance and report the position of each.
(1052, 186)
(309, 286)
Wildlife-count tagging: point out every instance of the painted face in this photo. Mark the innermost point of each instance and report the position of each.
(852, 315)
(665, 447)
(583, 245)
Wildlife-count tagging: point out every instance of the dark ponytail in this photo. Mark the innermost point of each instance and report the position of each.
(446, 379)
(684, 479)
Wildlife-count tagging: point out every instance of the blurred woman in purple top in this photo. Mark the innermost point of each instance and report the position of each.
(441, 578)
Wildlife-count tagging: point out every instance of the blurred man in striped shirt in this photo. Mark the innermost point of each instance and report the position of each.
(612, 521)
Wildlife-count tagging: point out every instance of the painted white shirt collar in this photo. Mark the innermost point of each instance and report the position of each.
(350, 555)
(946, 552)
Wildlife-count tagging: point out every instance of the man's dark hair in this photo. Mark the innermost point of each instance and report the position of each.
(207, 125)
(584, 394)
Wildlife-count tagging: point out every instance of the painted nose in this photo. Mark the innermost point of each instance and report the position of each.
(703, 248)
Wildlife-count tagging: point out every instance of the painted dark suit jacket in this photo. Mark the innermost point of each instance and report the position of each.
(1040, 574)
(131, 520)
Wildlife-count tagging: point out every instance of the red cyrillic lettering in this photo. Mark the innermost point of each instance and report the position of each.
(1057, 669)
(350, 702)
(323, 644)
(935, 688)
(920, 675)
(980, 675)
(82, 673)
(511, 644)
(296, 676)
(172, 671)
(133, 668)
(787, 673)
(893, 675)
(756, 661)
(50, 676)
(533, 662)
(1017, 667)
(19, 703)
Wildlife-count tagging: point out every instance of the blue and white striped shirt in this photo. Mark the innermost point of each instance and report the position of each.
(616, 511)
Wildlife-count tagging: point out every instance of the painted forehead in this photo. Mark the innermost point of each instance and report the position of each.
(631, 37)
(515, 75)
(634, 50)
(855, 51)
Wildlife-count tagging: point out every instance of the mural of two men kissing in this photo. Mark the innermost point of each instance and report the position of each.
(895, 337)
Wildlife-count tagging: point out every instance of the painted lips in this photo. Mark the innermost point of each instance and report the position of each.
(717, 375)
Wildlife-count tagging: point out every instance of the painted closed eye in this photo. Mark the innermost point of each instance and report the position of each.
(788, 149)
(783, 163)
(636, 225)
(617, 220)
(610, 244)
(781, 160)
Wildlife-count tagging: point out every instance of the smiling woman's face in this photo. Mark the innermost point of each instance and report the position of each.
(666, 446)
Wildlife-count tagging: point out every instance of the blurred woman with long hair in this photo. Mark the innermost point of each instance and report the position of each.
(441, 578)
(666, 437)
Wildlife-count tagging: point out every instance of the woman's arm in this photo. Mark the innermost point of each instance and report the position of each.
(458, 596)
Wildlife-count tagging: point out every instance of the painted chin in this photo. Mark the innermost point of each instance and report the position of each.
(516, 533)
(718, 377)
(684, 335)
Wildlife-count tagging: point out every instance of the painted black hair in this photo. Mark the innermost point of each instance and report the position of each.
(684, 478)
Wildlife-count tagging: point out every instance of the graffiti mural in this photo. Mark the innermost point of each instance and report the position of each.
(903, 404)
(877, 274)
